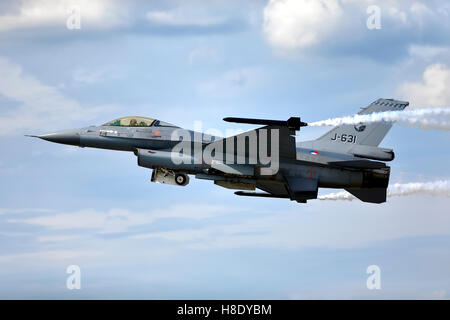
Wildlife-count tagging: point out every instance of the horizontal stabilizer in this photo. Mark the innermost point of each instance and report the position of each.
(293, 123)
(371, 195)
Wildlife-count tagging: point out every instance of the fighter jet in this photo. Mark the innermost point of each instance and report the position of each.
(266, 158)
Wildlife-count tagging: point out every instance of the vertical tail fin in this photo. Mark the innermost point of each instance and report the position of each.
(370, 134)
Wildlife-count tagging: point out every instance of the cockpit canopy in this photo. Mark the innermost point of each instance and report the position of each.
(138, 122)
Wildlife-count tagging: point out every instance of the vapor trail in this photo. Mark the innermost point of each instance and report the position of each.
(437, 188)
(426, 118)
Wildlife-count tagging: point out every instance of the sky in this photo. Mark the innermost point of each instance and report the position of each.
(188, 62)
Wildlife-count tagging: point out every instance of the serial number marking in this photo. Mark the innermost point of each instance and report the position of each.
(348, 138)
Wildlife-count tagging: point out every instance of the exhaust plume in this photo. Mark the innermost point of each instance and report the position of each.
(425, 118)
(437, 188)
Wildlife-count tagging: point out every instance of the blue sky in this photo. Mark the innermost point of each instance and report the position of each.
(187, 61)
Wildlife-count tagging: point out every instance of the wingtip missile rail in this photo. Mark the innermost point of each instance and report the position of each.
(293, 123)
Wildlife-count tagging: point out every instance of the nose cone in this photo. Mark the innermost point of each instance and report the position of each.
(71, 137)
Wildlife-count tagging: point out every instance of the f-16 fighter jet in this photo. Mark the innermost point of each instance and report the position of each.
(266, 158)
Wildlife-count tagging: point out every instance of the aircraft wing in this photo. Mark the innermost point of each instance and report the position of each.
(286, 135)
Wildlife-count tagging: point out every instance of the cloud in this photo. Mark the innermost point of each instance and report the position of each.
(39, 106)
(432, 90)
(316, 226)
(320, 224)
(204, 54)
(97, 14)
(15, 234)
(45, 257)
(50, 19)
(339, 27)
(180, 18)
(86, 76)
(192, 19)
(120, 220)
(58, 238)
(427, 52)
(232, 82)
(290, 24)
(24, 210)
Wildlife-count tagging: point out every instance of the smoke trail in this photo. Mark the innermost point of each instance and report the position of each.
(343, 195)
(437, 188)
(426, 118)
